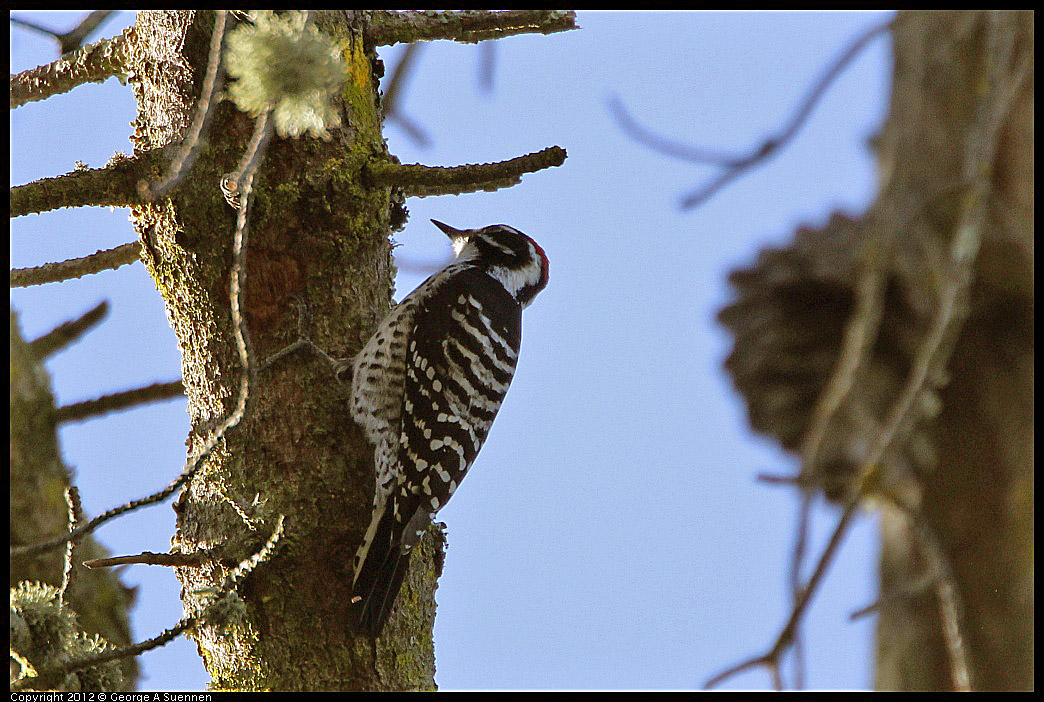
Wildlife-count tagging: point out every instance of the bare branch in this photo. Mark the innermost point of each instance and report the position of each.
(86, 528)
(99, 658)
(775, 479)
(665, 145)
(108, 259)
(80, 411)
(392, 102)
(95, 63)
(172, 560)
(736, 165)
(223, 593)
(909, 590)
(393, 91)
(795, 577)
(860, 335)
(301, 343)
(68, 332)
(420, 181)
(387, 27)
(71, 40)
(232, 183)
(993, 108)
(951, 308)
(115, 185)
(247, 566)
(859, 338)
(771, 658)
(243, 180)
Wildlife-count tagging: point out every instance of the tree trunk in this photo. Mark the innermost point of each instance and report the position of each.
(979, 497)
(318, 236)
(956, 476)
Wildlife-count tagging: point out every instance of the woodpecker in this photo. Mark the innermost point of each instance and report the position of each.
(426, 388)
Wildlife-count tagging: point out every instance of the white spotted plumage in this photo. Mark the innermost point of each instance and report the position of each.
(426, 388)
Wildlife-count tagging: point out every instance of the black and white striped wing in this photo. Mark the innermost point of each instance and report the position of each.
(459, 364)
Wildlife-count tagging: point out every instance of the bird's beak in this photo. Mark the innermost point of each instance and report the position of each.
(449, 231)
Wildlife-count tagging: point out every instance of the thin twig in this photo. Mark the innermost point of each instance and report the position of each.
(94, 63)
(860, 335)
(244, 180)
(776, 479)
(949, 610)
(941, 577)
(86, 528)
(75, 508)
(113, 654)
(68, 332)
(487, 66)
(247, 566)
(129, 651)
(224, 591)
(899, 417)
(259, 139)
(301, 343)
(670, 147)
(304, 341)
(391, 104)
(934, 353)
(771, 658)
(393, 91)
(859, 338)
(113, 402)
(387, 27)
(244, 176)
(994, 105)
(189, 147)
(419, 181)
(906, 592)
(773, 144)
(735, 165)
(109, 259)
(71, 40)
(797, 561)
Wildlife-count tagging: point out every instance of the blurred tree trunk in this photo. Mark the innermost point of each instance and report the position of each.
(37, 482)
(964, 466)
(318, 236)
(979, 497)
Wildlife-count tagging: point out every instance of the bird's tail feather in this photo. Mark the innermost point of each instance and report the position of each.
(379, 578)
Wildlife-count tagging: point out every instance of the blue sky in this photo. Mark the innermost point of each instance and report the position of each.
(611, 534)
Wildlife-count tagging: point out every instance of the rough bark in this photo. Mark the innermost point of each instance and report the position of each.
(318, 236)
